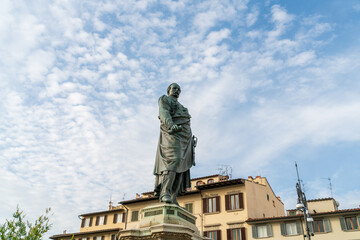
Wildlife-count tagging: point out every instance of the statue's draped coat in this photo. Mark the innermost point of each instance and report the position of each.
(175, 151)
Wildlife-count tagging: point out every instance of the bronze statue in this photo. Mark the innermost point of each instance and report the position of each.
(175, 152)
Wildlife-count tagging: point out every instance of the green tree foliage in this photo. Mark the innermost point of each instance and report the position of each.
(20, 229)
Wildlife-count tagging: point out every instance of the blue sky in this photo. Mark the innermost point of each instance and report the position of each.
(267, 83)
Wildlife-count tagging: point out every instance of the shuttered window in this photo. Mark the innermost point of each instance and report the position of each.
(87, 222)
(350, 223)
(189, 207)
(134, 216)
(234, 201)
(118, 218)
(211, 204)
(216, 235)
(291, 228)
(262, 231)
(236, 234)
(318, 226)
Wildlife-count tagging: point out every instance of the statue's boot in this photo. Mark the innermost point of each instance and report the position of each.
(167, 185)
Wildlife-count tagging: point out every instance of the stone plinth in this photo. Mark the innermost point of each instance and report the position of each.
(163, 222)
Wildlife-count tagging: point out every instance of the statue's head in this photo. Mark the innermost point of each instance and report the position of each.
(174, 90)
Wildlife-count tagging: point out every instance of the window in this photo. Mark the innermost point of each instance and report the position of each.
(291, 228)
(292, 213)
(236, 234)
(211, 204)
(134, 216)
(99, 238)
(234, 201)
(267, 197)
(199, 183)
(213, 234)
(261, 231)
(210, 181)
(113, 237)
(86, 222)
(189, 207)
(318, 226)
(350, 223)
(101, 220)
(118, 218)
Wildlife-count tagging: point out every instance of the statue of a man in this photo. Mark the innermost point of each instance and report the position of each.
(175, 151)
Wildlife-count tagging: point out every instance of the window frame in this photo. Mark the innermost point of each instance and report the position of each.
(241, 231)
(255, 230)
(283, 228)
(234, 207)
(344, 223)
(189, 209)
(87, 222)
(211, 205)
(213, 233)
(133, 218)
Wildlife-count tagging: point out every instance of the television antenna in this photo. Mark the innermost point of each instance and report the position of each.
(330, 186)
(225, 170)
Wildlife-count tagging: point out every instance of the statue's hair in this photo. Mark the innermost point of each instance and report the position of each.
(168, 89)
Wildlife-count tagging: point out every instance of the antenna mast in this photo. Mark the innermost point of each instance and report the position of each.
(330, 186)
(302, 205)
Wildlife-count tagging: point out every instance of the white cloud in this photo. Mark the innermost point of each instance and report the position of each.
(252, 17)
(80, 83)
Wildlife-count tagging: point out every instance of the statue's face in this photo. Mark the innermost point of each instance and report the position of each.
(174, 90)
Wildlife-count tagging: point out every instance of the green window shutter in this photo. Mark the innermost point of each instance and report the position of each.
(327, 225)
(298, 227)
(343, 224)
(254, 232)
(269, 230)
(311, 227)
(283, 229)
(358, 219)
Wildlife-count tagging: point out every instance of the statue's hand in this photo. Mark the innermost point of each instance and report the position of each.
(175, 128)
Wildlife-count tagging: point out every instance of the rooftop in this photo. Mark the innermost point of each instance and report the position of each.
(298, 216)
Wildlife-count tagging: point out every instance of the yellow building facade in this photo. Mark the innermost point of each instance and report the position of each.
(232, 209)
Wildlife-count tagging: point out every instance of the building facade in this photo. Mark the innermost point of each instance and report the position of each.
(232, 209)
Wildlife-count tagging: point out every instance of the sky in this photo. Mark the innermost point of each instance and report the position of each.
(267, 82)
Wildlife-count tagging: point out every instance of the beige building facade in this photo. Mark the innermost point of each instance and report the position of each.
(232, 209)
(329, 223)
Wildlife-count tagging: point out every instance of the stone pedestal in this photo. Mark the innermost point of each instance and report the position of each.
(163, 222)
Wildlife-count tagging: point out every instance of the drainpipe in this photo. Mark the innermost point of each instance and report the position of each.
(126, 216)
(202, 215)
